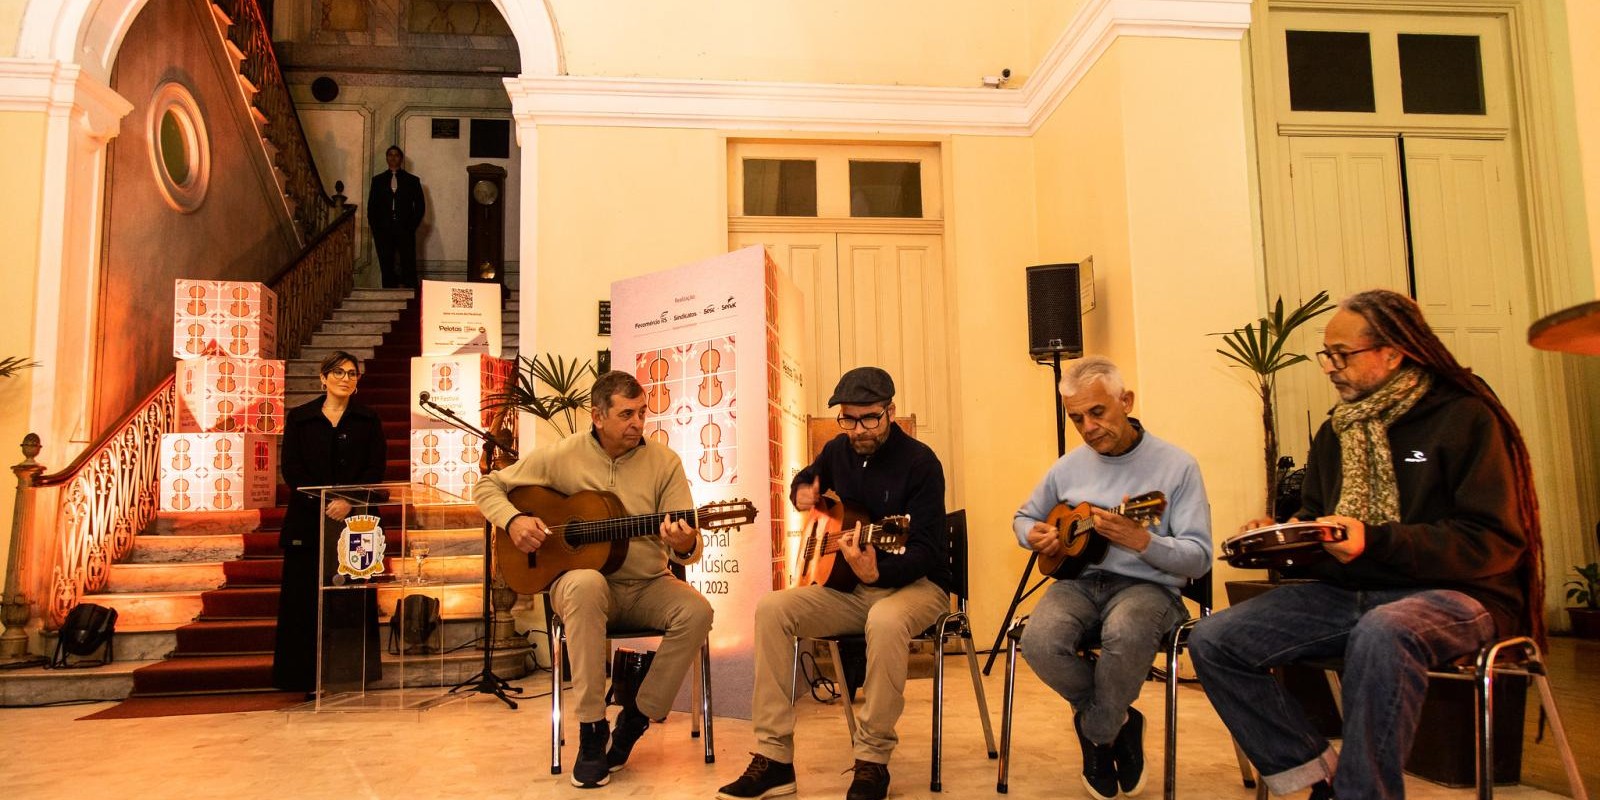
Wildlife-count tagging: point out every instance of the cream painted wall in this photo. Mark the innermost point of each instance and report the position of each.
(1006, 402)
(22, 137)
(811, 41)
(10, 24)
(615, 203)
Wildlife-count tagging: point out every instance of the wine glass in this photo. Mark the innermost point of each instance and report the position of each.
(419, 552)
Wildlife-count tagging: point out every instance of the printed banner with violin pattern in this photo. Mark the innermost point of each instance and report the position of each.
(441, 456)
(218, 471)
(714, 343)
(225, 318)
(230, 395)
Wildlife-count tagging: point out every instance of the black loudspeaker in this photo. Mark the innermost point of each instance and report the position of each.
(1055, 317)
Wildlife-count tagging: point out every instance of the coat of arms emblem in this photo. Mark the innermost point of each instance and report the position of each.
(361, 546)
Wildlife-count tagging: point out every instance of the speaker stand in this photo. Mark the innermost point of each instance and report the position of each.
(1023, 591)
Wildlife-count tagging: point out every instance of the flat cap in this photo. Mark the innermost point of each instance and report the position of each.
(863, 386)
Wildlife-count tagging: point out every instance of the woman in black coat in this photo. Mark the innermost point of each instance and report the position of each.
(331, 440)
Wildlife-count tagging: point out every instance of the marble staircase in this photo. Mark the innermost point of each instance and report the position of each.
(197, 596)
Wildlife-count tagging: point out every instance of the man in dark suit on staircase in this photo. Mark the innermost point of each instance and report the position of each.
(394, 210)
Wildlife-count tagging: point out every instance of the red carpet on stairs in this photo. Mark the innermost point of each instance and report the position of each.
(229, 647)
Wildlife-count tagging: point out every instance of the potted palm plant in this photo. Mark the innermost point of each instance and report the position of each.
(1261, 348)
(565, 391)
(1584, 593)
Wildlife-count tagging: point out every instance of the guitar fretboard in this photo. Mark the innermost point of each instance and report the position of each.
(619, 528)
(830, 542)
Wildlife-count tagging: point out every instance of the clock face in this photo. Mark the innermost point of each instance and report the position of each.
(485, 193)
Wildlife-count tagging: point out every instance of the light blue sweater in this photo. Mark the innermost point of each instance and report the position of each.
(1180, 547)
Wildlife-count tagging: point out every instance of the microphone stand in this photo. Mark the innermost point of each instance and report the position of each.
(486, 681)
(1023, 592)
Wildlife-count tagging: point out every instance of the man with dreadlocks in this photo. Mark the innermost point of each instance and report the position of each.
(1429, 476)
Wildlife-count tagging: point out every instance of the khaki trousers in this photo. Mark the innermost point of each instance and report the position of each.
(889, 618)
(587, 602)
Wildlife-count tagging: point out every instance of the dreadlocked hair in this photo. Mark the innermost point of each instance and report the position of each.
(1396, 320)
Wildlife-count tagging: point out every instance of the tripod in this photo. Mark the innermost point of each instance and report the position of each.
(485, 682)
(1023, 591)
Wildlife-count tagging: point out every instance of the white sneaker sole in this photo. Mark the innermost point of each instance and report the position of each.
(1095, 793)
(595, 785)
(776, 791)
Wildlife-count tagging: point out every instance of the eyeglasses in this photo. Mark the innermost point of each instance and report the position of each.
(867, 421)
(347, 374)
(1336, 359)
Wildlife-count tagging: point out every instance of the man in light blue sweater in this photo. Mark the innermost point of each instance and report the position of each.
(1131, 596)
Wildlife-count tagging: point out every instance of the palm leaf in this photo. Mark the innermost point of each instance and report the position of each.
(564, 396)
(9, 367)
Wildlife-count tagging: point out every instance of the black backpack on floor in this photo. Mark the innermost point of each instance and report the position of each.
(89, 627)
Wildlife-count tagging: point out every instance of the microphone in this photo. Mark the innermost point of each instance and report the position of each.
(423, 397)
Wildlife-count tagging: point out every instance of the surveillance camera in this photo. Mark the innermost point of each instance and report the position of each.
(997, 81)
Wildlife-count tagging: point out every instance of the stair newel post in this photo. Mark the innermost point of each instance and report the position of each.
(17, 611)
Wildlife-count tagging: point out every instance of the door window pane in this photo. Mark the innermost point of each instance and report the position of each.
(780, 187)
(1440, 74)
(1329, 71)
(886, 189)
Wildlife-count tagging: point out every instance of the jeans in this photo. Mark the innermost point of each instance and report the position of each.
(1388, 638)
(1132, 616)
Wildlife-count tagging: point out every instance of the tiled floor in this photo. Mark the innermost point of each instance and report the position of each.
(479, 749)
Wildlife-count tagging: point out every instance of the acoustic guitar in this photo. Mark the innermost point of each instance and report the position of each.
(827, 521)
(1081, 545)
(590, 530)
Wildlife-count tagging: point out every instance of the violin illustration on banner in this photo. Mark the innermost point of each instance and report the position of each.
(710, 385)
(658, 397)
(711, 467)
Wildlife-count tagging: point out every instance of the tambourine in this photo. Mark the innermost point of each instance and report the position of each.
(1286, 544)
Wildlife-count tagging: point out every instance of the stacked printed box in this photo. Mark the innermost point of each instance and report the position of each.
(218, 471)
(441, 456)
(217, 394)
(230, 399)
(230, 318)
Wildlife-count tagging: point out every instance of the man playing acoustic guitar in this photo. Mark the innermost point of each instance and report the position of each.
(890, 598)
(648, 478)
(1131, 596)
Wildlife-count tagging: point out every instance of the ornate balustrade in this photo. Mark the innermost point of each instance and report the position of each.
(315, 282)
(250, 34)
(83, 519)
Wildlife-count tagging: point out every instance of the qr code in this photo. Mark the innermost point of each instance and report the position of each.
(461, 298)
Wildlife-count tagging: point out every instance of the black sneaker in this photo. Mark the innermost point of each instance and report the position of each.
(1321, 790)
(630, 726)
(590, 770)
(1099, 765)
(763, 778)
(871, 781)
(1128, 750)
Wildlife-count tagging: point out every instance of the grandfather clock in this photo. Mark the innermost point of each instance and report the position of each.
(486, 224)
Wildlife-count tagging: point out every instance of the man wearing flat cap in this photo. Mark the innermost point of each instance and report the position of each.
(890, 598)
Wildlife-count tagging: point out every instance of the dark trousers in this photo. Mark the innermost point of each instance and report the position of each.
(397, 254)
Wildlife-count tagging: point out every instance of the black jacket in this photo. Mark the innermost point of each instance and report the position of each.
(902, 477)
(315, 453)
(408, 207)
(1459, 527)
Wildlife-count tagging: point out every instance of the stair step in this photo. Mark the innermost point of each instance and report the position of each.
(169, 523)
(166, 550)
(321, 352)
(151, 608)
(205, 674)
(230, 636)
(396, 304)
(344, 341)
(364, 315)
(353, 328)
(403, 295)
(170, 577)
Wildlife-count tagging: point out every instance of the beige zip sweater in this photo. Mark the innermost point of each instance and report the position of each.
(648, 479)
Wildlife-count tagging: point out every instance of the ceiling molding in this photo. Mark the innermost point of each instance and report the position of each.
(856, 108)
